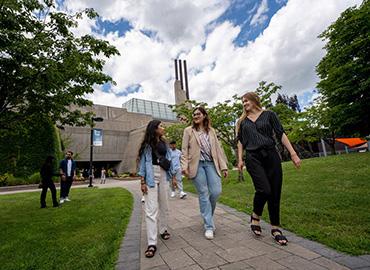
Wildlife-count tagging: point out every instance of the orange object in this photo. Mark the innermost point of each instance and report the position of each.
(351, 142)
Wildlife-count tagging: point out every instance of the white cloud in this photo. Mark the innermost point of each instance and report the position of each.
(285, 53)
(260, 17)
(181, 23)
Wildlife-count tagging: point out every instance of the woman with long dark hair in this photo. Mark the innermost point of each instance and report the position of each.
(203, 161)
(257, 130)
(155, 170)
(47, 173)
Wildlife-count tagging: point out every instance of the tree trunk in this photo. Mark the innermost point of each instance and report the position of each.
(332, 144)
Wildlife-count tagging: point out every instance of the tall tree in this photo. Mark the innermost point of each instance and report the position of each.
(294, 104)
(44, 67)
(344, 71)
(265, 91)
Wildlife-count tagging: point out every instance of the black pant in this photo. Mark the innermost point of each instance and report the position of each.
(65, 186)
(45, 186)
(264, 166)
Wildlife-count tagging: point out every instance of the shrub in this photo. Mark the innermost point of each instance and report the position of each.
(23, 151)
(34, 178)
(8, 179)
(3, 180)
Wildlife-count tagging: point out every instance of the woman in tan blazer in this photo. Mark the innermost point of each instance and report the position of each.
(203, 161)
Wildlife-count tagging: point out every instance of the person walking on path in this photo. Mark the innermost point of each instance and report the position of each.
(256, 130)
(155, 170)
(102, 176)
(68, 175)
(175, 159)
(203, 161)
(47, 174)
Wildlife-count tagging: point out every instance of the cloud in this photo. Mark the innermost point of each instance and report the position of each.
(260, 17)
(286, 52)
(180, 23)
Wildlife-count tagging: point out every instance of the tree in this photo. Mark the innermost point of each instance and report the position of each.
(344, 71)
(265, 91)
(294, 104)
(282, 99)
(319, 124)
(291, 102)
(44, 67)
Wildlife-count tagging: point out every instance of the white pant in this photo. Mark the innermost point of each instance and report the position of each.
(156, 206)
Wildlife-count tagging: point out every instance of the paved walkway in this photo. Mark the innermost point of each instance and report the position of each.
(234, 246)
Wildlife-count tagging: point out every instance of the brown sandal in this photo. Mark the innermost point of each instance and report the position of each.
(150, 251)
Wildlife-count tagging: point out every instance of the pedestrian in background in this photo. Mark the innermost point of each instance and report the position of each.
(102, 176)
(68, 175)
(47, 173)
(175, 159)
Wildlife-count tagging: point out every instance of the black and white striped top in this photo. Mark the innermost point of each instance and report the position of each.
(260, 134)
(205, 146)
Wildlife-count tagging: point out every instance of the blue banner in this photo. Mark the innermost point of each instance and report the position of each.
(97, 137)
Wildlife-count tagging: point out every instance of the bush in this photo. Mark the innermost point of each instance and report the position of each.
(23, 150)
(34, 178)
(8, 179)
(3, 180)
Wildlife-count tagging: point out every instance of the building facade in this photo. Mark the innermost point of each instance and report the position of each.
(123, 131)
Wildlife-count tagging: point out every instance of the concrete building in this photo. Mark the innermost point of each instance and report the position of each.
(123, 130)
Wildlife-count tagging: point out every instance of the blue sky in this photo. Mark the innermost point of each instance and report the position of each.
(230, 45)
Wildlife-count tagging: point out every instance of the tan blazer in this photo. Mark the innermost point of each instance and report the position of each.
(191, 152)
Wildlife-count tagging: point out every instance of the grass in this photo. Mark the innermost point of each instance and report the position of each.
(82, 234)
(327, 200)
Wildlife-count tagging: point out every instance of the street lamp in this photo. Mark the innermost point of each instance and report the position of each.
(96, 119)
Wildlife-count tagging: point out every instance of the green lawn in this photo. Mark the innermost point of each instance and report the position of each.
(327, 200)
(82, 234)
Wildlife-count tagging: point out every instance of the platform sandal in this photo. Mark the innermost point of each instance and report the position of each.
(165, 235)
(279, 238)
(256, 229)
(150, 251)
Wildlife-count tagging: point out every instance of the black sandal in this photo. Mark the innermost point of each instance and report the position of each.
(150, 251)
(165, 235)
(255, 228)
(279, 237)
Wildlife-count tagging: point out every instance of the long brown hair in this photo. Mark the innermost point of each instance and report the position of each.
(255, 99)
(206, 120)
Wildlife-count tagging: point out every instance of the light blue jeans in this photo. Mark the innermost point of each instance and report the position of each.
(208, 184)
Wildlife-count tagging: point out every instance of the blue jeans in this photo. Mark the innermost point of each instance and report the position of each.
(208, 184)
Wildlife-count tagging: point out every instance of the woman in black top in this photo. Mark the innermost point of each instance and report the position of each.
(256, 130)
(47, 173)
